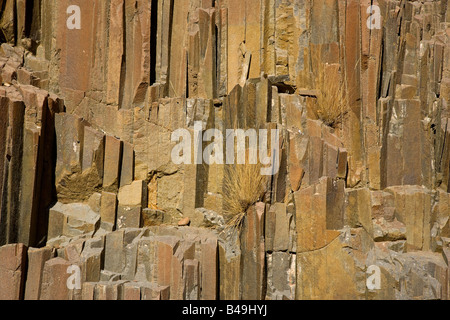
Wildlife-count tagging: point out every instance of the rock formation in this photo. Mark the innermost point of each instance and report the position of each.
(92, 93)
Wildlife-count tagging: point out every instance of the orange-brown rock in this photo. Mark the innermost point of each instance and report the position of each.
(97, 98)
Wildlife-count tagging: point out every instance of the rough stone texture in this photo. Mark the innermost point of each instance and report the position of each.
(71, 220)
(54, 280)
(108, 210)
(13, 259)
(111, 176)
(253, 253)
(87, 174)
(36, 261)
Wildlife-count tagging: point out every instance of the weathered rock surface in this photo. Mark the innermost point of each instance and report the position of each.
(87, 172)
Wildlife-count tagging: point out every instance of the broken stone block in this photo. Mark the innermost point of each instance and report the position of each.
(115, 52)
(358, 209)
(55, 224)
(26, 77)
(54, 280)
(281, 234)
(192, 280)
(110, 291)
(281, 275)
(152, 217)
(388, 230)
(137, 61)
(342, 163)
(208, 219)
(206, 57)
(131, 291)
(184, 251)
(113, 154)
(127, 168)
(253, 252)
(270, 228)
(315, 160)
(93, 151)
(335, 191)
(69, 139)
(213, 202)
(408, 146)
(298, 148)
(129, 217)
(229, 269)
(150, 291)
(88, 291)
(317, 270)
(12, 165)
(82, 55)
(166, 248)
(133, 195)
(131, 239)
(209, 269)
(309, 214)
(108, 210)
(330, 160)
(131, 200)
(404, 91)
(8, 74)
(72, 251)
(91, 261)
(36, 261)
(114, 251)
(145, 259)
(94, 202)
(13, 261)
(314, 209)
(421, 275)
(76, 294)
(413, 208)
(72, 220)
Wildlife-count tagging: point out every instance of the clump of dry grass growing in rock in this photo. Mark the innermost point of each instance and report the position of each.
(243, 187)
(332, 97)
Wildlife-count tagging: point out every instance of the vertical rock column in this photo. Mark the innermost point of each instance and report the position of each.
(13, 260)
(253, 279)
(12, 172)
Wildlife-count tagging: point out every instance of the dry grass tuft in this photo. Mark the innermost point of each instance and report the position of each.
(243, 187)
(332, 98)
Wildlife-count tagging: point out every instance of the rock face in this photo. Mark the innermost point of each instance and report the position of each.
(95, 102)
